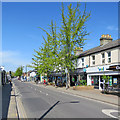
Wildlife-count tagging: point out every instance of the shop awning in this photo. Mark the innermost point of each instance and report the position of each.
(78, 71)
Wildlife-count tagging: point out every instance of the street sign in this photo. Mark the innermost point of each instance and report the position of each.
(118, 67)
(66, 71)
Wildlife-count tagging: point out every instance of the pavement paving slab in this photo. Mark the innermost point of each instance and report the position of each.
(12, 111)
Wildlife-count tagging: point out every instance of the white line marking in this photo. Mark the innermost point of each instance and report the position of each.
(109, 111)
(35, 88)
(40, 91)
(46, 94)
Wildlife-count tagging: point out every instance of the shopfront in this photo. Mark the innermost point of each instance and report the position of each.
(77, 75)
(94, 76)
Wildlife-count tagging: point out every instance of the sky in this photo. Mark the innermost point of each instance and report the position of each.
(21, 35)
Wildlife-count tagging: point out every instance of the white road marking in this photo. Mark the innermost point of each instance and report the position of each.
(35, 88)
(46, 94)
(109, 111)
(31, 87)
(40, 91)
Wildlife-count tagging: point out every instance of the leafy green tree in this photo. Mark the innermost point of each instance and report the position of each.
(58, 51)
(72, 34)
(106, 80)
(19, 71)
(46, 59)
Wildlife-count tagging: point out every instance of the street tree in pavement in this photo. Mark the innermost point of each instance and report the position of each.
(59, 47)
(19, 71)
(72, 34)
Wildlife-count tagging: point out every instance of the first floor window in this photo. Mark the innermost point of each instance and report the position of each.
(93, 60)
(109, 57)
(82, 61)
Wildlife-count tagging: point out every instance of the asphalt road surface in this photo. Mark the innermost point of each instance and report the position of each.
(40, 102)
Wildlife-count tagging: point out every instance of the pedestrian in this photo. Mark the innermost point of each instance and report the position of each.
(44, 81)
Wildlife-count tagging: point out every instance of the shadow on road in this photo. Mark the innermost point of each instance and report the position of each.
(48, 110)
(6, 94)
(71, 102)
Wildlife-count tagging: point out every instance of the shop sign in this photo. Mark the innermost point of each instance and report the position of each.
(101, 69)
(110, 81)
(118, 67)
(115, 80)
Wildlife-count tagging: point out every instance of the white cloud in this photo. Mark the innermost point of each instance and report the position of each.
(112, 28)
(12, 59)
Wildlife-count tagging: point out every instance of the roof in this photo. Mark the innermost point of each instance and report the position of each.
(109, 45)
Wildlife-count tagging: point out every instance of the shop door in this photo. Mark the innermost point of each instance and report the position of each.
(95, 80)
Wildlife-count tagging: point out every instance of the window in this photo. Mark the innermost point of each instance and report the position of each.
(103, 58)
(93, 60)
(82, 61)
(109, 57)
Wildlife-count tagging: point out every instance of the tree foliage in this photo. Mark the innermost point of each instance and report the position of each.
(19, 71)
(58, 50)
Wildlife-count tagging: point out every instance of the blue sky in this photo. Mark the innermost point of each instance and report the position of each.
(21, 35)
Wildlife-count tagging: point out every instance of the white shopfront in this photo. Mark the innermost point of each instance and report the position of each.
(94, 75)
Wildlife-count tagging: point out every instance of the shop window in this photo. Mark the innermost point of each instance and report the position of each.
(109, 57)
(103, 58)
(93, 60)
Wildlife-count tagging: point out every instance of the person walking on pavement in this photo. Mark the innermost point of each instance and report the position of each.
(44, 82)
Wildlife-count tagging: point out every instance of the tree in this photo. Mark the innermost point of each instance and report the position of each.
(46, 59)
(106, 80)
(58, 50)
(72, 34)
(19, 71)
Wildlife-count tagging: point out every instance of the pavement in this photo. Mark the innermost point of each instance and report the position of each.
(95, 94)
(8, 102)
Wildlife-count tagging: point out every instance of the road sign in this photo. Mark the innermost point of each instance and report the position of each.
(66, 71)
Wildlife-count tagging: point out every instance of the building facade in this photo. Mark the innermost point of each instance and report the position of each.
(98, 61)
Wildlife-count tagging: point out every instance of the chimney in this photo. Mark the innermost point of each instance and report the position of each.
(78, 50)
(105, 39)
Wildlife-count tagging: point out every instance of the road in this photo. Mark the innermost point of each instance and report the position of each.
(40, 102)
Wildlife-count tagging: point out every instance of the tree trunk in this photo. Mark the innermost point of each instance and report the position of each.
(68, 79)
(55, 81)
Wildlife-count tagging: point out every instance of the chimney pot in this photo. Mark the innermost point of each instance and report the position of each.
(105, 39)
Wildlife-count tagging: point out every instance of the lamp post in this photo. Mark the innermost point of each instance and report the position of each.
(26, 72)
(66, 71)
